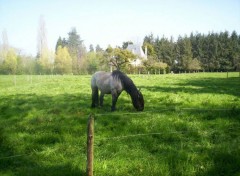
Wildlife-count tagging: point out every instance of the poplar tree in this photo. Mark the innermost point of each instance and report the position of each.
(43, 54)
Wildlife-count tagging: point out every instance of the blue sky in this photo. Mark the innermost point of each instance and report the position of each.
(112, 22)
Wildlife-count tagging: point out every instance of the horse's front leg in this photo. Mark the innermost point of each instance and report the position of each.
(94, 97)
(114, 101)
(115, 96)
(101, 99)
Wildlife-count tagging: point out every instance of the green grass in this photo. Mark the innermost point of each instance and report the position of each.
(190, 126)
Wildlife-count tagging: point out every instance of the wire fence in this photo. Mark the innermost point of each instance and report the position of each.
(141, 134)
(14, 156)
(168, 109)
(133, 135)
(125, 115)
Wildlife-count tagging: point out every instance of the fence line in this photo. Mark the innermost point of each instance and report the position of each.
(141, 134)
(119, 138)
(148, 134)
(138, 113)
(14, 156)
(134, 135)
(168, 109)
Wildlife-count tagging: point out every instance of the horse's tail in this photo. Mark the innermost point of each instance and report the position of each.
(95, 95)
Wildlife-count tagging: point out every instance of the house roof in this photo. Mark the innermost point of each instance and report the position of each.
(137, 50)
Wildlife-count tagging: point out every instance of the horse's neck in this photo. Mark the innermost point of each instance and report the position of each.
(127, 83)
(131, 89)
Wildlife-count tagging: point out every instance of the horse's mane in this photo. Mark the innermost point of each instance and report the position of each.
(127, 83)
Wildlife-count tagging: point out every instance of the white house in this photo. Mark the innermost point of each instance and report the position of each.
(137, 50)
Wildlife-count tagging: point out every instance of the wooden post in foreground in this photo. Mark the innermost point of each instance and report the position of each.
(90, 142)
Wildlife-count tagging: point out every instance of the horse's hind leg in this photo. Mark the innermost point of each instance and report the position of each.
(94, 97)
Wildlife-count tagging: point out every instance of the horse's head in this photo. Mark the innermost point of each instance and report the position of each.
(138, 101)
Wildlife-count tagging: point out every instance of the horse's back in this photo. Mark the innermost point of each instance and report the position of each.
(101, 80)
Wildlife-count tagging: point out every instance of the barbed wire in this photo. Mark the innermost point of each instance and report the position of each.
(132, 135)
(141, 134)
(155, 133)
(14, 156)
(168, 109)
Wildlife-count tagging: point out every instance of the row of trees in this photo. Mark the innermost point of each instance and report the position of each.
(70, 57)
(211, 52)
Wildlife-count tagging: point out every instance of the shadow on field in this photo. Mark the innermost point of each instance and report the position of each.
(43, 135)
(228, 86)
(178, 95)
(187, 144)
(225, 162)
(22, 105)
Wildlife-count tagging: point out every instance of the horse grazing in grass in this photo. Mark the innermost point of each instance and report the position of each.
(114, 83)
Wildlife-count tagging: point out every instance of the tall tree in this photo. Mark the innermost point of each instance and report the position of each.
(183, 53)
(186, 53)
(10, 62)
(125, 44)
(63, 61)
(59, 43)
(120, 58)
(151, 49)
(224, 51)
(43, 53)
(164, 50)
(98, 48)
(76, 49)
(149, 42)
(26, 65)
(235, 51)
(5, 44)
(149, 39)
(91, 48)
(4, 47)
(92, 62)
(42, 46)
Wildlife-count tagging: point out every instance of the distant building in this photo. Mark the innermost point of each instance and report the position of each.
(138, 51)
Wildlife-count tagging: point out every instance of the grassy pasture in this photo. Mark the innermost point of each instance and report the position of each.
(190, 126)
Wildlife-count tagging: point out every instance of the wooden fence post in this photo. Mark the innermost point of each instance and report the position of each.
(90, 142)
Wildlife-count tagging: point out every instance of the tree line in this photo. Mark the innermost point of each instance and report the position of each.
(196, 52)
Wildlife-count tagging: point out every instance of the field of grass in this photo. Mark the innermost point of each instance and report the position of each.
(190, 126)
